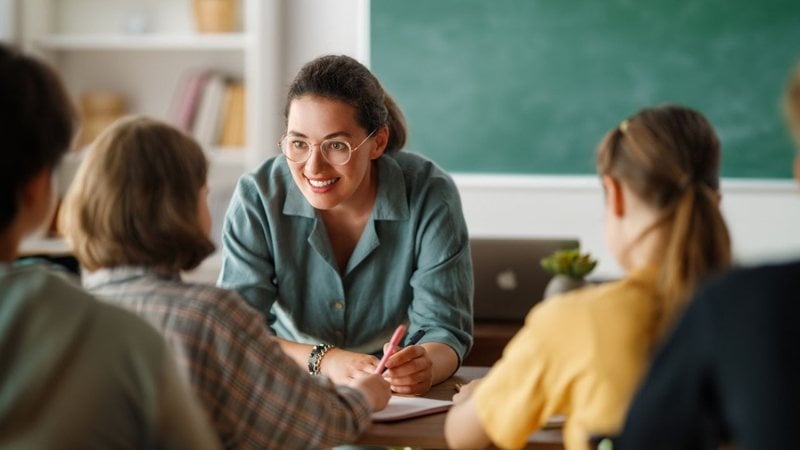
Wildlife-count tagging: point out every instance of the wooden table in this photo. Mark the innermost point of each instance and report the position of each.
(428, 432)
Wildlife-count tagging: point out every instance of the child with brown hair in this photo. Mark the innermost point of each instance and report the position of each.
(728, 374)
(582, 354)
(137, 216)
(74, 372)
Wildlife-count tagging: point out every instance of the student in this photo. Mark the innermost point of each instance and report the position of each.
(729, 373)
(344, 237)
(582, 354)
(75, 373)
(137, 216)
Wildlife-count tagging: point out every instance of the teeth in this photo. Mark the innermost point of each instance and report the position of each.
(317, 183)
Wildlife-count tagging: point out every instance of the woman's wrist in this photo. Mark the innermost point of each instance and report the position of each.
(315, 357)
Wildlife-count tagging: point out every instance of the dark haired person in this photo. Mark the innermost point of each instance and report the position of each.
(137, 216)
(74, 372)
(729, 372)
(344, 237)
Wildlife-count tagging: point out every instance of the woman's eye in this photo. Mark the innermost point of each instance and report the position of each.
(300, 145)
(336, 145)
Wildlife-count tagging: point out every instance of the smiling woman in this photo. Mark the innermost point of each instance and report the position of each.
(343, 237)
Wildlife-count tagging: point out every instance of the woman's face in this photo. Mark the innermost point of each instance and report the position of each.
(326, 186)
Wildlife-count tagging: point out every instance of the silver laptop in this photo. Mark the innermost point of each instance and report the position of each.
(509, 278)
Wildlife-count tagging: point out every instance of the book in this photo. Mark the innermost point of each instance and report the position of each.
(186, 99)
(401, 407)
(208, 123)
(233, 116)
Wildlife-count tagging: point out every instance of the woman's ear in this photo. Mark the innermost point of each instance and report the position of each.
(381, 141)
(614, 195)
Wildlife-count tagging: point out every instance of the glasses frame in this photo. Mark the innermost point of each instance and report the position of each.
(311, 146)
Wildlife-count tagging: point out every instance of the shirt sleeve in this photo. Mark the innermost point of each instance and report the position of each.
(247, 261)
(261, 397)
(442, 282)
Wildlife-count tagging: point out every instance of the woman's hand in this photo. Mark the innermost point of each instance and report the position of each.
(342, 366)
(410, 370)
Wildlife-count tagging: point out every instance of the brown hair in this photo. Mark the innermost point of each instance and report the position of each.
(134, 200)
(342, 78)
(37, 122)
(669, 157)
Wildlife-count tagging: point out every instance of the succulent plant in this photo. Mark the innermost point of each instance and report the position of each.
(569, 262)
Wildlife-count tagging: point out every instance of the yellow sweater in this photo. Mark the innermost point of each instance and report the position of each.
(581, 354)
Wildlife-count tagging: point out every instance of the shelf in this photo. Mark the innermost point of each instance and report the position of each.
(221, 41)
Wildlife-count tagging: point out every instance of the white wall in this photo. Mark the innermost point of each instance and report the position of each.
(762, 215)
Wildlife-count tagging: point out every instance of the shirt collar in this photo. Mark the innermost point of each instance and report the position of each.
(391, 202)
(105, 276)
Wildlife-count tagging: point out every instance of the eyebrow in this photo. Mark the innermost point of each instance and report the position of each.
(328, 136)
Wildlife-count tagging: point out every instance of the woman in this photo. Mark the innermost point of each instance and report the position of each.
(582, 354)
(343, 237)
(137, 216)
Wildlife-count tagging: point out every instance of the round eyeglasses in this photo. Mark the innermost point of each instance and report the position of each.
(335, 151)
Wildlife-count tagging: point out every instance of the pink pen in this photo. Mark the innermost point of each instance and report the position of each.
(393, 343)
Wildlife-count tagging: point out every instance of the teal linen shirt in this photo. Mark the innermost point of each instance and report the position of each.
(411, 265)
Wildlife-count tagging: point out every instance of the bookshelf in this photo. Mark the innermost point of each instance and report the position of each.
(144, 49)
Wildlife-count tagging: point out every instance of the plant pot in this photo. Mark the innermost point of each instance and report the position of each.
(215, 16)
(560, 284)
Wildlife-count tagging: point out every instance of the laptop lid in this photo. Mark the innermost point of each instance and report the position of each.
(509, 278)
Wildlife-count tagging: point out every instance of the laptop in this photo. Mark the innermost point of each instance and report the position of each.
(509, 278)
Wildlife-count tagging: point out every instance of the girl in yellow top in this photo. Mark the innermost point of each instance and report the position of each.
(582, 354)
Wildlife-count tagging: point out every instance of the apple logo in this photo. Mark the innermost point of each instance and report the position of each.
(507, 280)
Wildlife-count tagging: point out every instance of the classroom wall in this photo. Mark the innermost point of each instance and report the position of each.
(763, 215)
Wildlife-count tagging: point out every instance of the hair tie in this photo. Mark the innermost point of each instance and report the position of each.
(623, 126)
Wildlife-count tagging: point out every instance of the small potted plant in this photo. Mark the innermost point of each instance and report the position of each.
(569, 269)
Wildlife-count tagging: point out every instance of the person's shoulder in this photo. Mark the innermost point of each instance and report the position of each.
(419, 166)
(40, 283)
(56, 297)
(218, 306)
(271, 175)
(423, 178)
(761, 284)
(764, 278)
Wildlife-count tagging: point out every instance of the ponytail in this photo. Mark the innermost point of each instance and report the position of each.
(396, 123)
(696, 244)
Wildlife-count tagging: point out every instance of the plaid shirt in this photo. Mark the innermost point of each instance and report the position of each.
(255, 394)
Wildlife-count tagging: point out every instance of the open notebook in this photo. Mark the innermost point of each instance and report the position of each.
(401, 407)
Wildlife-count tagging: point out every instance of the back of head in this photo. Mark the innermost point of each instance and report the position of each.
(669, 157)
(36, 125)
(134, 200)
(344, 79)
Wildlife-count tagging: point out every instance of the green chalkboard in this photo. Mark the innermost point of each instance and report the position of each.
(530, 86)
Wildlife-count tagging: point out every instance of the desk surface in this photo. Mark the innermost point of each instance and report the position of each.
(428, 431)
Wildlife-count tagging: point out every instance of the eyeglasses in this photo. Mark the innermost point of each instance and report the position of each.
(335, 151)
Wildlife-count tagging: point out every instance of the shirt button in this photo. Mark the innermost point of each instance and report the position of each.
(338, 306)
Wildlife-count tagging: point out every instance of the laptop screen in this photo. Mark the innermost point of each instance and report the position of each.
(509, 278)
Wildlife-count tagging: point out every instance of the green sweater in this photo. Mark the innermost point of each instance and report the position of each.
(77, 373)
